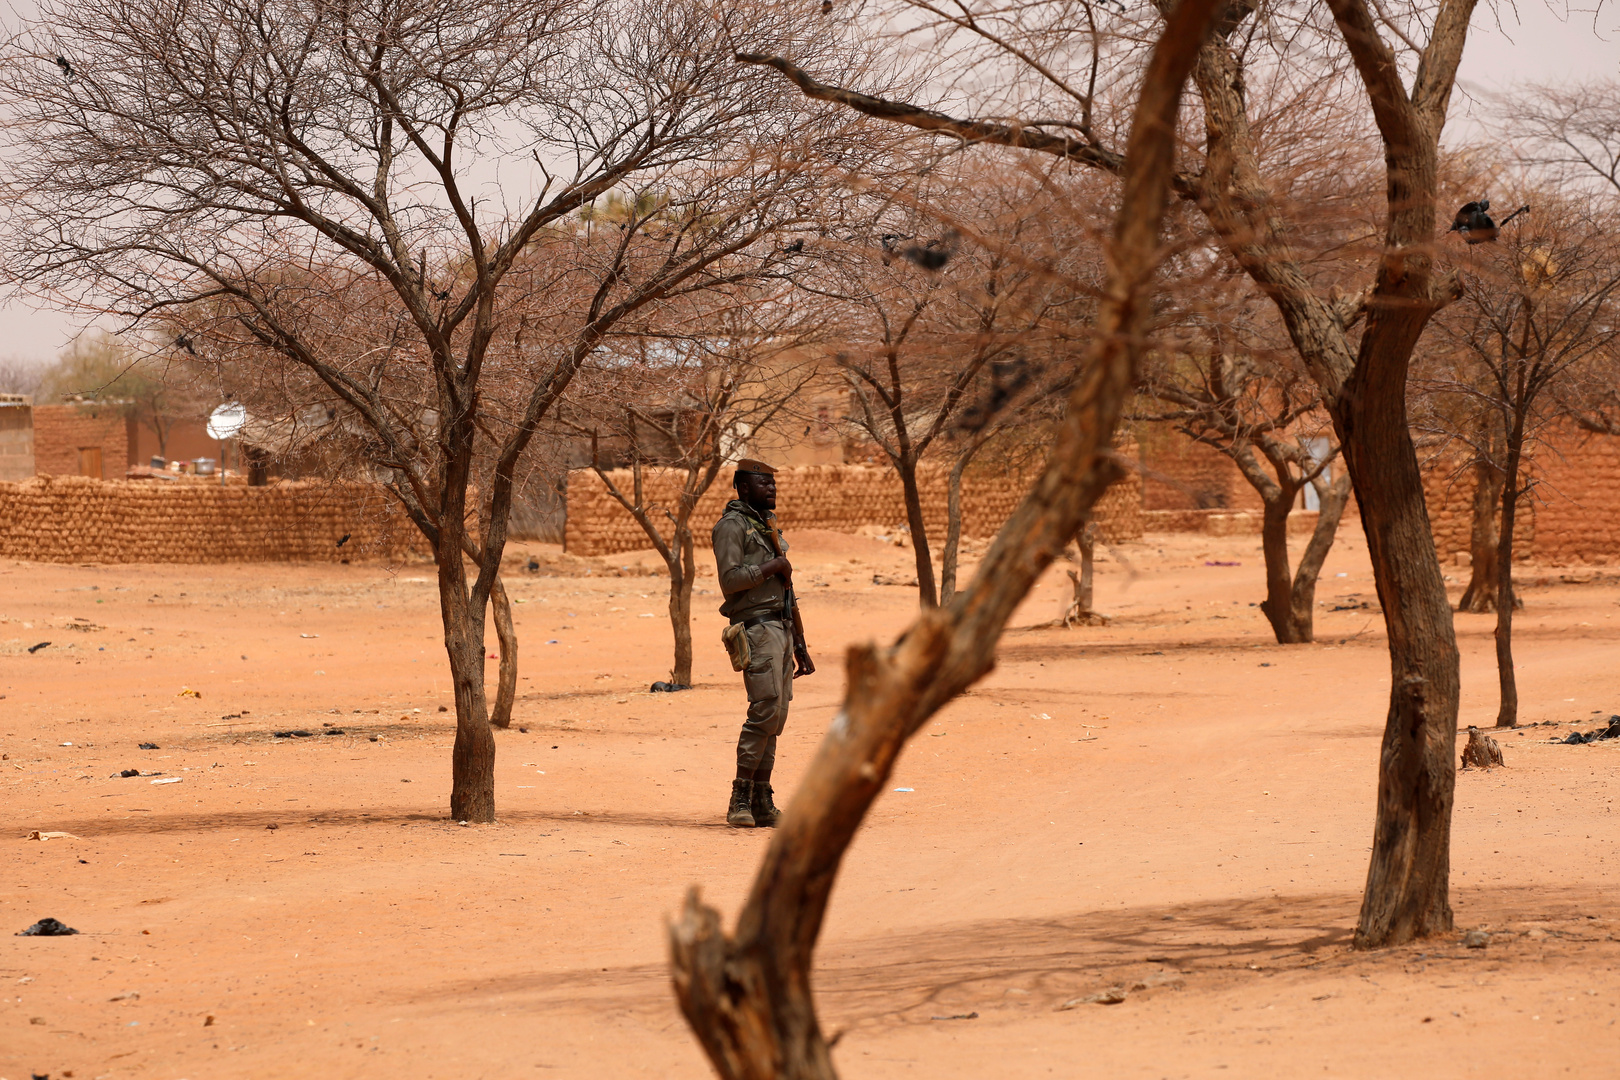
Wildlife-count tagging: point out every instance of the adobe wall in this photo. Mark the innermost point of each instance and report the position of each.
(1577, 506)
(1449, 493)
(1180, 474)
(61, 430)
(1571, 519)
(77, 519)
(837, 497)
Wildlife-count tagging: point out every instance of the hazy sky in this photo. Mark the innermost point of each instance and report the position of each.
(1535, 42)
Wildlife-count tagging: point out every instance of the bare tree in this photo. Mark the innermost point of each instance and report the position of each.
(747, 996)
(266, 158)
(1405, 83)
(940, 339)
(1538, 308)
(1264, 413)
(686, 403)
(1571, 132)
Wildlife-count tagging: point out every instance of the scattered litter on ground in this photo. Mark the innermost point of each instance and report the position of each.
(127, 773)
(1220, 562)
(149, 746)
(885, 579)
(36, 648)
(186, 691)
(47, 927)
(1575, 738)
(957, 1016)
(169, 780)
(300, 734)
(37, 835)
(127, 995)
(662, 687)
(1476, 939)
(1112, 996)
(905, 789)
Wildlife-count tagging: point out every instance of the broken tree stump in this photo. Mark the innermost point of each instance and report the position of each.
(1482, 750)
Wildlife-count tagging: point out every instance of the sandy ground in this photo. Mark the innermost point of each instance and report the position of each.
(1171, 804)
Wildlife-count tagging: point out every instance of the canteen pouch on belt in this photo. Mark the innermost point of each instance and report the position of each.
(735, 639)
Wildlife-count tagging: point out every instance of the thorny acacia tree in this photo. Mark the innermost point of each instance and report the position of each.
(1226, 389)
(1405, 61)
(747, 996)
(264, 156)
(939, 341)
(1539, 308)
(685, 404)
(1570, 132)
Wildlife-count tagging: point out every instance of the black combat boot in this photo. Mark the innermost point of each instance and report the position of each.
(766, 815)
(738, 813)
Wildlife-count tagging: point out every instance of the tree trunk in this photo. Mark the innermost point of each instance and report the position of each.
(682, 566)
(927, 597)
(506, 636)
(1086, 541)
(1483, 538)
(748, 998)
(472, 767)
(1278, 606)
(1408, 877)
(953, 532)
(1508, 714)
(1331, 500)
(1081, 611)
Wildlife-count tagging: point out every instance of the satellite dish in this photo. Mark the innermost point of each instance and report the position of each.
(226, 421)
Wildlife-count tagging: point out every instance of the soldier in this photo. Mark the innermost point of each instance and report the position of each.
(757, 580)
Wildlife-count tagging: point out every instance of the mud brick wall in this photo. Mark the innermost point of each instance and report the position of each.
(1579, 521)
(836, 497)
(78, 519)
(61, 430)
(1449, 493)
(1571, 519)
(1179, 474)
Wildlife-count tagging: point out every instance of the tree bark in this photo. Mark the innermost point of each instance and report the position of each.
(1483, 539)
(748, 998)
(1278, 606)
(506, 636)
(1507, 715)
(682, 565)
(927, 596)
(953, 531)
(472, 760)
(1086, 541)
(1290, 603)
(1081, 611)
(1408, 877)
(1331, 500)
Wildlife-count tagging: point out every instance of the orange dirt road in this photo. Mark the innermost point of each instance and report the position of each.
(1171, 805)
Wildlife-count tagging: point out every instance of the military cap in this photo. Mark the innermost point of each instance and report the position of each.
(752, 465)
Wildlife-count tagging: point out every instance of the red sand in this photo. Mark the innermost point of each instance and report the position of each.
(1143, 805)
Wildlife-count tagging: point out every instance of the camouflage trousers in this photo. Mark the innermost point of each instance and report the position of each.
(769, 681)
